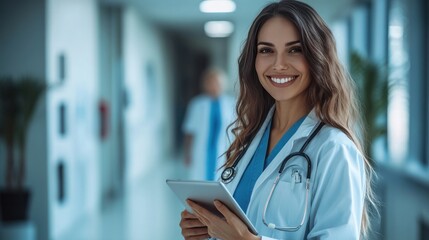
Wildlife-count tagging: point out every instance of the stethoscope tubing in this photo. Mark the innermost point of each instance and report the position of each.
(287, 229)
(229, 173)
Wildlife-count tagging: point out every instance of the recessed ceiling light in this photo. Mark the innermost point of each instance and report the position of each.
(217, 6)
(218, 28)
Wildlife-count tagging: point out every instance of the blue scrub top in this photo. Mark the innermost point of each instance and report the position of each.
(256, 166)
(213, 136)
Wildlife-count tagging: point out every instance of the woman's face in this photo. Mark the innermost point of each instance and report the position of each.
(280, 64)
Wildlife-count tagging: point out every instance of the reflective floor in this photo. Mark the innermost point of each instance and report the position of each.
(148, 210)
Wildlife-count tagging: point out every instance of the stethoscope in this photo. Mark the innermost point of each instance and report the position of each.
(229, 173)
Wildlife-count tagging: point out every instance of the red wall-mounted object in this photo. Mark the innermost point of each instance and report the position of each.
(104, 112)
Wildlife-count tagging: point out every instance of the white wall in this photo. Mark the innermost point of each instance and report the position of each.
(235, 46)
(359, 28)
(72, 30)
(237, 39)
(147, 117)
(110, 91)
(379, 30)
(340, 32)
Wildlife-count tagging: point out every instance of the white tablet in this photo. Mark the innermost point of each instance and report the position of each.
(204, 193)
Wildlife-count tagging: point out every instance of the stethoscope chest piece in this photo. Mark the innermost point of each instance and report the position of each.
(228, 174)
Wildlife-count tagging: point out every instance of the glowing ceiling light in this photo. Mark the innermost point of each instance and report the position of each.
(218, 28)
(217, 6)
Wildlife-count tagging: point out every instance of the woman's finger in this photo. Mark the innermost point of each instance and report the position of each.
(192, 227)
(195, 232)
(199, 237)
(191, 223)
(197, 209)
(202, 213)
(202, 218)
(188, 215)
(223, 209)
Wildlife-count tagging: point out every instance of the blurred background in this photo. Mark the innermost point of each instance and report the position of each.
(106, 131)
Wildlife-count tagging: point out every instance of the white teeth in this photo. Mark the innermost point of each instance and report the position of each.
(282, 80)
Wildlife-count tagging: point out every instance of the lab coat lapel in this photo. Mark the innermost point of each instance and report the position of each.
(303, 131)
(241, 166)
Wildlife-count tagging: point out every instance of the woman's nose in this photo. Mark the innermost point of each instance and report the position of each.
(280, 63)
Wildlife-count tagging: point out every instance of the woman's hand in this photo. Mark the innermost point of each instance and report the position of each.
(192, 228)
(228, 228)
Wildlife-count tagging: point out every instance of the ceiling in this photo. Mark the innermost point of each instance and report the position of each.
(184, 15)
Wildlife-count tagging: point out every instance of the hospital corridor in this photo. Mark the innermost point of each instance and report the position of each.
(102, 101)
(147, 210)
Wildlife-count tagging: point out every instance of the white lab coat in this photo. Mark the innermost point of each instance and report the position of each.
(197, 124)
(337, 186)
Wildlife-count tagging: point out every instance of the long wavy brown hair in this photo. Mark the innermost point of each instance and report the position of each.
(331, 92)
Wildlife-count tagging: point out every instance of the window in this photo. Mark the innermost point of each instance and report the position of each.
(425, 80)
(398, 64)
(408, 113)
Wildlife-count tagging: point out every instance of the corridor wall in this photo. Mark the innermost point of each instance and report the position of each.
(20, 23)
(72, 117)
(148, 86)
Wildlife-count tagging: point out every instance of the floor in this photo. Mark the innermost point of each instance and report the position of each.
(148, 210)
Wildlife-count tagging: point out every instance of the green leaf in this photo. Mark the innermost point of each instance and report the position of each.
(373, 89)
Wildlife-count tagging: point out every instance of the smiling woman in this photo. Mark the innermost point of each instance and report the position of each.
(281, 66)
(295, 97)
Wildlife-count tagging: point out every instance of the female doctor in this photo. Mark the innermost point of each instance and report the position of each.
(296, 166)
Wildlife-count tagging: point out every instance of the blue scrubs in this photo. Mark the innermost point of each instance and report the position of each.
(256, 166)
(214, 131)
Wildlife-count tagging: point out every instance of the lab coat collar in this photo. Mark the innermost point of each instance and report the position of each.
(244, 161)
(303, 132)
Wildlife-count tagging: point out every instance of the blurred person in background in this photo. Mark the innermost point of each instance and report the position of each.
(296, 166)
(207, 117)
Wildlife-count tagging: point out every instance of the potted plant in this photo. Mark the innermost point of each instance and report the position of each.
(18, 101)
(373, 86)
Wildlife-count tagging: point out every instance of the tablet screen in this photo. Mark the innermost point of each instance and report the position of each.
(204, 193)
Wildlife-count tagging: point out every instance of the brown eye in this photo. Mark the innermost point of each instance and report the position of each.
(295, 50)
(265, 50)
